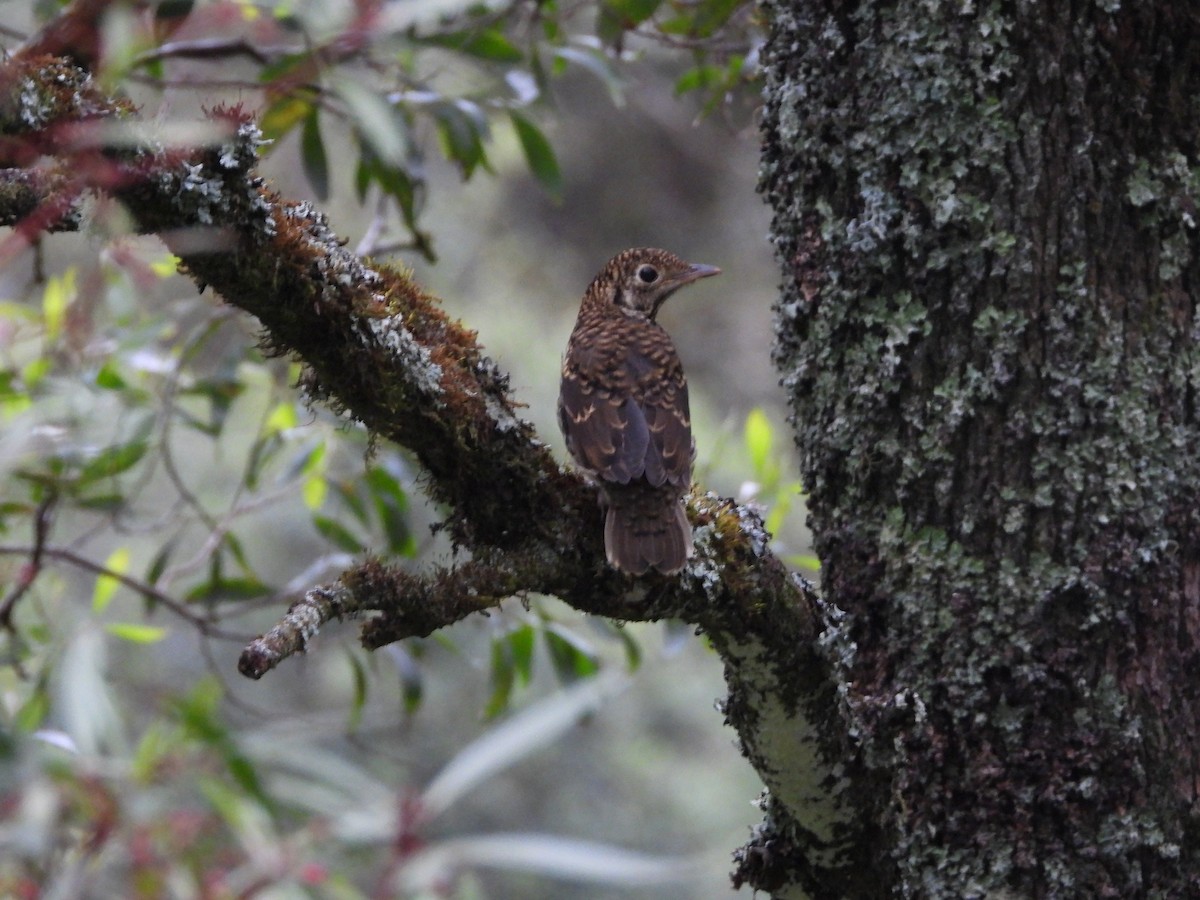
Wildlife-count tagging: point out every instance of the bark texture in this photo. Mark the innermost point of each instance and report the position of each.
(986, 217)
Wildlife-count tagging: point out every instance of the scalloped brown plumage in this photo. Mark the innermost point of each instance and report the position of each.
(623, 409)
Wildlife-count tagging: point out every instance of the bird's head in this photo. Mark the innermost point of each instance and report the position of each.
(639, 280)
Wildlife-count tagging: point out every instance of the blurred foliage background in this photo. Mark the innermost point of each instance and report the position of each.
(164, 490)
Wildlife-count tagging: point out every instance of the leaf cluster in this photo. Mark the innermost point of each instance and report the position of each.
(399, 84)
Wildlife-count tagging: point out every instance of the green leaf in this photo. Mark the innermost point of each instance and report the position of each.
(785, 497)
(392, 180)
(572, 657)
(315, 459)
(376, 121)
(349, 494)
(511, 663)
(337, 534)
(224, 589)
(198, 711)
(233, 544)
(610, 27)
(631, 13)
(391, 505)
(598, 65)
(282, 418)
(153, 750)
(287, 68)
(199, 715)
(14, 508)
(312, 156)
(412, 683)
(109, 378)
(56, 297)
(32, 712)
(35, 370)
(551, 24)
(105, 501)
(229, 804)
(539, 155)
(158, 565)
(758, 441)
(18, 312)
(220, 393)
(308, 461)
(805, 561)
(313, 491)
(675, 25)
(13, 401)
(633, 650)
(403, 187)
(113, 461)
(778, 512)
(503, 676)
(165, 265)
(136, 633)
(462, 128)
(699, 78)
(364, 176)
(490, 44)
(520, 642)
(285, 114)
(711, 15)
(106, 585)
(359, 703)
(262, 451)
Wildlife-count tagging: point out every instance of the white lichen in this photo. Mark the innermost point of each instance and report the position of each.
(413, 359)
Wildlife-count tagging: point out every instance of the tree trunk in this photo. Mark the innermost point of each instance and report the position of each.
(986, 215)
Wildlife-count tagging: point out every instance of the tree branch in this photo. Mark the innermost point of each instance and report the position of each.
(40, 552)
(33, 568)
(376, 346)
(37, 201)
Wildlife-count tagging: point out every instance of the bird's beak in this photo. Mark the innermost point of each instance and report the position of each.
(695, 273)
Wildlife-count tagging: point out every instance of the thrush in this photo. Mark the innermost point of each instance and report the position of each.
(623, 409)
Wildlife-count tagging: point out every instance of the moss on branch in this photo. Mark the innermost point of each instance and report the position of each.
(376, 346)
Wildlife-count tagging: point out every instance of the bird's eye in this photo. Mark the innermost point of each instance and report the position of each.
(647, 274)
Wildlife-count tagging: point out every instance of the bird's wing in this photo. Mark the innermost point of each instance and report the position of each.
(606, 431)
(670, 449)
(623, 424)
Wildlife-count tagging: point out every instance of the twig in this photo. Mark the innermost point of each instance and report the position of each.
(215, 48)
(198, 84)
(31, 570)
(375, 231)
(411, 604)
(149, 591)
(300, 625)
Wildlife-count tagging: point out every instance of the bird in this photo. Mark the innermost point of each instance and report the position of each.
(623, 409)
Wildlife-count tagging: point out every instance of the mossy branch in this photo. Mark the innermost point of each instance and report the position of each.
(376, 346)
(732, 588)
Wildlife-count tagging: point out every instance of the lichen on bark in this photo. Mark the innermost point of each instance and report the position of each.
(988, 325)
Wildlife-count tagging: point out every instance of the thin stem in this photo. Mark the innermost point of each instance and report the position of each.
(63, 554)
(31, 570)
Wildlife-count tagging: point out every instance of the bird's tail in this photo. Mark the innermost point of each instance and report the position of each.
(646, 530)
